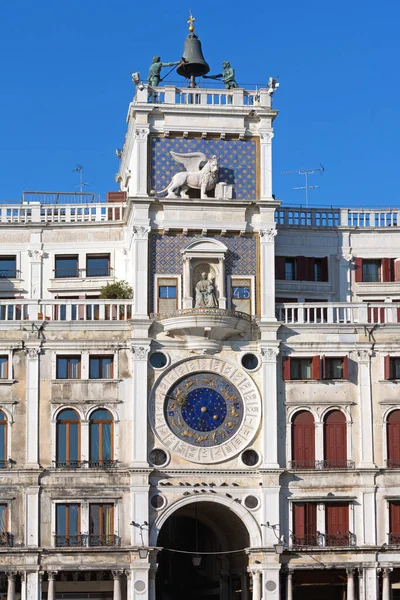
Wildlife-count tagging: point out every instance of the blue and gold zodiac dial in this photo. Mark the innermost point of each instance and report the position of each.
(204, 409)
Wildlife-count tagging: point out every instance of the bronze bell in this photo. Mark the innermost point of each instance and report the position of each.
(194, 64)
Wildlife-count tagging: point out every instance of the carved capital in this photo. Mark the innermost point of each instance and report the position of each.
(350, 572)
(141, 134)
(364, 355)
(386, 571)
(117, 574)
(266, 137)
(32, 352)
(268, 235)
(269, 354)
(141, 232)
(51, 575)
(140, 352)
(36, 254)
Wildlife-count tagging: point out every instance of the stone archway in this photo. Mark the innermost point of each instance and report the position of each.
(220, 573)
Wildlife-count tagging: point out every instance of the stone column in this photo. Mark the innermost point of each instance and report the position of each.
(140, 351)
(370, 583)
(33, 585)
(23, 584)
(350, 584)
(117, 585)
(187, 283)
(385, 584)
(269, 355)
(51, 585)
(267, 279)
(221, 283)
(35, 273)
(32, 351)
(152, 581)
(266, 164)
(289, 586)
(245, 586)
(319, 441)
(10, 586)
(140, 270)
(365, 400)
(139, 163)
(256, 575)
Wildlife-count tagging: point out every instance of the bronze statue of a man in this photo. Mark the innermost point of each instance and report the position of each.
(155, 70)
(227, 76)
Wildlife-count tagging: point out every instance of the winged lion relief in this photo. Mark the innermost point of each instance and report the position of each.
(203, 179)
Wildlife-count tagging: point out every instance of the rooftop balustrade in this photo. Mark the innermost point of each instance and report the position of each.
(65, 310)
(299, 313)
(206, 96)
(328, 218)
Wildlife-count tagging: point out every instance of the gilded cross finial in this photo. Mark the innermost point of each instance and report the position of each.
(191, 21)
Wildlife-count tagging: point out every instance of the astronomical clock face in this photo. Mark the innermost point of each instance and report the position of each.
(205, 410)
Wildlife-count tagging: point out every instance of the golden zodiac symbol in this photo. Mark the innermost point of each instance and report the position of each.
(234, 412)
(202, 438)
(187, 433)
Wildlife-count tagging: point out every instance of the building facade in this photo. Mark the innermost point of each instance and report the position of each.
(231, 430)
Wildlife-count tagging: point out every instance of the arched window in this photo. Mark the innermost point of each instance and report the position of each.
(335, 440)
(303, 441)
(101, 435)
(393, 440)
(68, 439)
(3, 440)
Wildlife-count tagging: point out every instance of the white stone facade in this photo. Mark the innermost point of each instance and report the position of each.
(52, 319)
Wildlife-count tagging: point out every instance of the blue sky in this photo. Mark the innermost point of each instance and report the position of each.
(65, 87)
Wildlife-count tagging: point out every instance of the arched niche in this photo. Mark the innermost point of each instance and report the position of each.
(203, 255)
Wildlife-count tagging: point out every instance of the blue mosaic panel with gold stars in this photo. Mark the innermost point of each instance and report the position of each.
(237, 162)
(204, 409)
(166, 257)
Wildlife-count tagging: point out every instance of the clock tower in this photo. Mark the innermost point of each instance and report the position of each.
(196, 166)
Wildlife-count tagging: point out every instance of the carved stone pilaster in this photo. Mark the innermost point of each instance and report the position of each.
(269, 354)
(141, 232)
(364, 355)
(140, 352)
(268, 235)
(32, 352)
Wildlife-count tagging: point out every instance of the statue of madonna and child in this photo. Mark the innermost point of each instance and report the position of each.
(205, 293)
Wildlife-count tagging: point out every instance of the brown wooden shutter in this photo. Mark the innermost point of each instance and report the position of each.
(396, 269)
(325, 273)
(311, 520)
(310, 275)
(387, 366)
(337, 518)
(335, 439)
(116, 196)
(358, 270)
(302, 268)
(286, 367)
(394, 518)
(393, 439)
(299, 522)
(280, 267)
(345, 371)
(303, 439)
(386, 269)
(316, 367)
(323, 361)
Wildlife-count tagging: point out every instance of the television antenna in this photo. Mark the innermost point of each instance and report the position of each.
(305, 172)
(82, 184)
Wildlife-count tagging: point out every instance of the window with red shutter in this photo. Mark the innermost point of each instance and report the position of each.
(394, 522)
(325, 273)
(358, 269)
(396, 269)
(337, 524)
(305, 524)
(302, 268)
(286, 367)
(387, 269)
(393, 440)
(387, 373)
(303, 440)
(335, 440)
(316, 367)
(280, 267)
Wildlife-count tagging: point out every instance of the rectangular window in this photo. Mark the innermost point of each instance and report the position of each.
(392, 367)
(66, 266)
(167, 291)
(290, 269)
(101, 525)
(3, 518)
(68, 367)
(101, 367)
(68, 525)
(371, 270)
(98, 265)
(3, 367)
(301, 368)
(335, 368)
(8, 267)
(337, 524)
(394, 522)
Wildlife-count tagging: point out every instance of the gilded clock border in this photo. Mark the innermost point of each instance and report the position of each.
(212, 454)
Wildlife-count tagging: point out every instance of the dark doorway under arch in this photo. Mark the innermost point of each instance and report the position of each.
(202, 527)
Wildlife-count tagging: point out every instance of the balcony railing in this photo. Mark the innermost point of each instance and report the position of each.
(103, 540)
(10, 274)
(322, 465)
(70, 541)
(73, 273)
(298, 216)
(394, 539)
(66, 310)
(393, 463)
(6, 539)
(209, 312)
(67, 464)
(83, 540)
(103, 464)
(311, 313)
(319, 539)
